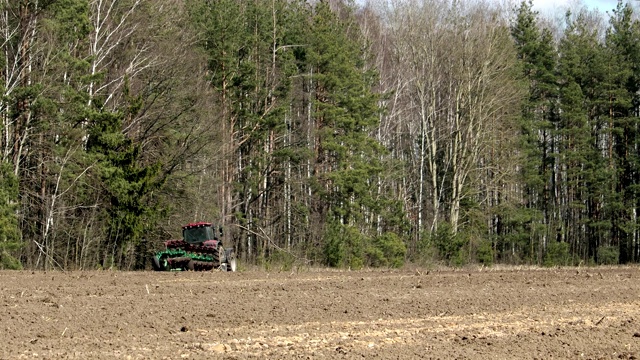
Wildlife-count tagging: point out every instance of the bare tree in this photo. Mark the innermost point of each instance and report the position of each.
(457, 62)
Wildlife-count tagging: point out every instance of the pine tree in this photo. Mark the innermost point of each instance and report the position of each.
(581, 128)
(10, 239)
(622, 101)
(126, 182)
(538, 57)
(346, 162)
(252, 50)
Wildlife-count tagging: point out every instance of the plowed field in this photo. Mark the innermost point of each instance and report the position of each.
(585, 313)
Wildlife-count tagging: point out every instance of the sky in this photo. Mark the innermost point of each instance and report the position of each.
(601, 5)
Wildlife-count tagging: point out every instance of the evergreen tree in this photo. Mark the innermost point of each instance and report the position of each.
(537, 54)
(126, 183)
(347, 159)
(47, 154)
(10, 240)
(251, 47)
(581, 128)
(621, 103)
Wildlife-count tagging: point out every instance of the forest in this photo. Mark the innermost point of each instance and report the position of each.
(321, 133)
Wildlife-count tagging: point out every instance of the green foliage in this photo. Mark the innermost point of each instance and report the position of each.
(9, 230)
(449, 246)
(278, 259)
(538, 57)
(608, 255)
(426, 253)
(519, 226)
(290, 140)
(345, 246)
(126, 182)
(267, 62)
(557, 254)
(346, 110)
(9, 262)
(586, 116)
(386, 250)
(622, 91)
(69, 20)
(484, 252)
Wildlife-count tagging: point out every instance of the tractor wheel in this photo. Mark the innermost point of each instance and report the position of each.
(191, 265)
(219, 256)
(231, 260)
(159, 263)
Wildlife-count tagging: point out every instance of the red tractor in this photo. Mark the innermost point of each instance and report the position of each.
(200, 250)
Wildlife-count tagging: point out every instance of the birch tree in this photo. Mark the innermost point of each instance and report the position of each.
(420, 47)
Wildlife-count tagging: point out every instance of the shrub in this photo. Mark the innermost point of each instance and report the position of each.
(557, 254)
(608, 255)
(449, 245)
(484, 252)
(9, 262)
(279, 258)
(387, 250)
(344, 247)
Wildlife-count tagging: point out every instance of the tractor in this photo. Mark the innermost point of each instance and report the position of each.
(199, 250)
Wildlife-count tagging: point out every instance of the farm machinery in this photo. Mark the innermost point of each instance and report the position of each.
(200, 249)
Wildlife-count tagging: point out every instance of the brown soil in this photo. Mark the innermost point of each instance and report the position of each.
(586, 313)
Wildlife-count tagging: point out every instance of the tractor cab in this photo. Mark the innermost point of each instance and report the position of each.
(201, 233)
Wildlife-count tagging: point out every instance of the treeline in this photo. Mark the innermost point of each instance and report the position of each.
(318, 132)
